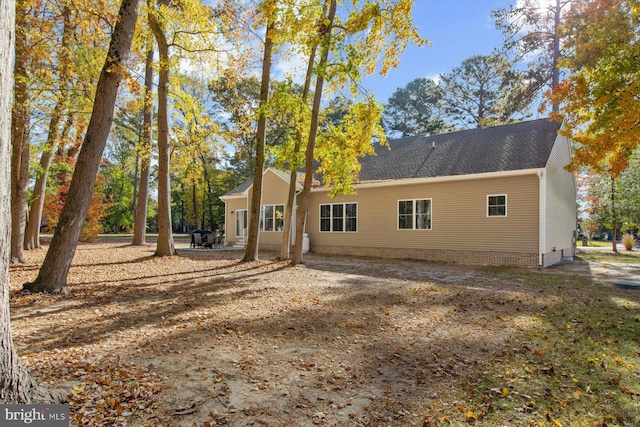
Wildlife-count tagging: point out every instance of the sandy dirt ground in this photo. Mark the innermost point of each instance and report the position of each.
(200, 339)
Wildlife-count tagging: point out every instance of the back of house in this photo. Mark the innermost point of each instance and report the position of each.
(494, 196)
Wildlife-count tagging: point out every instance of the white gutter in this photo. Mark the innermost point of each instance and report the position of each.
(234, 196)
(542, 232)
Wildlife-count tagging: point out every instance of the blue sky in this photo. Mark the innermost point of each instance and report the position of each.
(457, 30)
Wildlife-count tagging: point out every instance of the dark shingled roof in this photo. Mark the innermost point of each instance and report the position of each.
(240, 188)
(525, 145)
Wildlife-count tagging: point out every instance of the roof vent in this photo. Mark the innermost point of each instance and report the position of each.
(433, 144)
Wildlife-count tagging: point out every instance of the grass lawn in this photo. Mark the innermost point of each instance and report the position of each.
(623, 256)
(598, 244)
(200, 339)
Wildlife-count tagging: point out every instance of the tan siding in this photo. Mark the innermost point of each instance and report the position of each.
(275, 190)
(459, 219)
(561, 203)
(232, 205)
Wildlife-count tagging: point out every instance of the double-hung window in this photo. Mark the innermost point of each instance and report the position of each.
(497, 205)
(339, 217)
(272, 218)
(414, 214)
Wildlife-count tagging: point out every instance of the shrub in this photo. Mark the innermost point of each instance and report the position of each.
(628, 240)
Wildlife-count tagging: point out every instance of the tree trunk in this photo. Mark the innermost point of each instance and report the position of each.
(136, 174)
(614, 217)
(208, 202)
(140, 226)
(69, 156)
(19, 181)
(164, 246)
(555, 70)
(325, 33)
(209, 198)
(293, 176)
(20, 137)
(194, 203)
(32, 233)
(251, 252)
(16, 385)
(52, 277)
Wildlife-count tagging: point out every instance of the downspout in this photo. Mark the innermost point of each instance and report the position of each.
(542, 232)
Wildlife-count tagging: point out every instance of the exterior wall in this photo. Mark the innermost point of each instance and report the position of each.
(461, 231)
(560, 205)
(275, 190)
(231, 208)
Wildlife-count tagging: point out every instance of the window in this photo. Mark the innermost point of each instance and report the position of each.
(339, 217)
(272, 218)
(497, 205)
(414, 214)
(351, 217)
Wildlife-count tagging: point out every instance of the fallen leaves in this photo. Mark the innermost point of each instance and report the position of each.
(113, 392)
(203, 340)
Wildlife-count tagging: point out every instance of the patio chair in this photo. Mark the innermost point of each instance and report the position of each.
(197, 240)
(219, 239)
(208, 240)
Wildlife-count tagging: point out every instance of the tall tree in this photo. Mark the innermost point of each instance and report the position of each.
(293, 159)
(238, 98)
(596, 191)
(414, 109)
(532, 34)
(341, 144)
(324, 31)
(52, 277)
(144, 151)
(629, 193)
(195, 148)
(482, 91)
(373, 35)
(195, 29)
(600, 97)
(118, 171)
(16, 385)
(164, 245)
(20, 137)
(76, 35)
(251, 251)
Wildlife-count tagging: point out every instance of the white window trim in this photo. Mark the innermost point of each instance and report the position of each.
(413, 214)
(506, 205)
(344, 210)
(262, 218)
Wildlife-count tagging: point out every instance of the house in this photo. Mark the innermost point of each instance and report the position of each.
(494, 196)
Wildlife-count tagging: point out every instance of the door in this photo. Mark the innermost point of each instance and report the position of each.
(241, 222)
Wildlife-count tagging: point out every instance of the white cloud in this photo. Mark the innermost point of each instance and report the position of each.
(293, 65)
(435, 77)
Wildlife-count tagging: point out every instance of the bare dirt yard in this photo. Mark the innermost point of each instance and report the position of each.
(200, 339)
